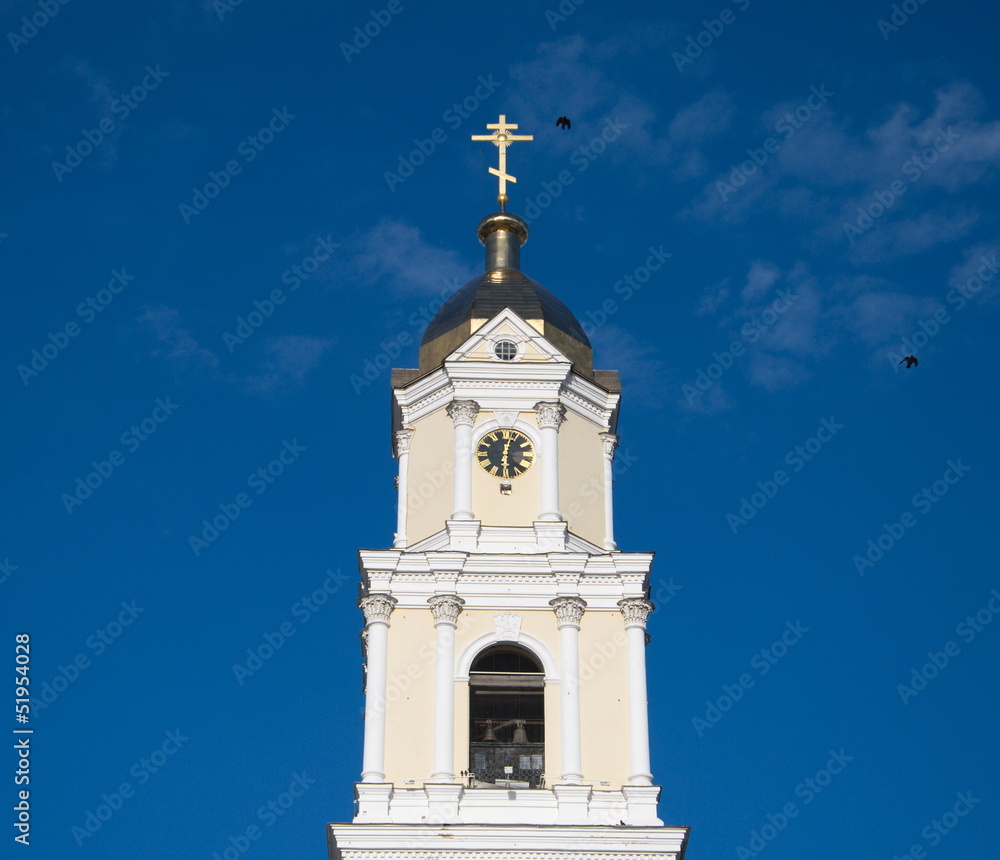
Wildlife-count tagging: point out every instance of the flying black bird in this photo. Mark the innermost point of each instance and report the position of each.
(563, 122)
(911, 361)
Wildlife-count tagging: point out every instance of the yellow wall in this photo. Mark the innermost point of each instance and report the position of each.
(431, 478)
(581, 478)
(410, 693)
(430, 481)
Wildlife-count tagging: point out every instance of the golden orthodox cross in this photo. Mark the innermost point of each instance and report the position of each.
(502, 138)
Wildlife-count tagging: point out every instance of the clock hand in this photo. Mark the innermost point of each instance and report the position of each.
(503, 460)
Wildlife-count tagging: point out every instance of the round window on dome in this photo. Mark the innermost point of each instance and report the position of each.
(505, 350)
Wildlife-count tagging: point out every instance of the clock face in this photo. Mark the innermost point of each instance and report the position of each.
(505, 453)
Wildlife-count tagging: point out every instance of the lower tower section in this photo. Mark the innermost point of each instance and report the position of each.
(505, 708)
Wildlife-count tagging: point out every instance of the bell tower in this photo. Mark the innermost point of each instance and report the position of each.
(504, 640)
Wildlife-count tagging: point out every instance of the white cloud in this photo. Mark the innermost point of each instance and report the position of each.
(171, 341)
(825, 170)
(643, 373)
(395, 254)
(711, 299)
(760, 279)
(287, 361)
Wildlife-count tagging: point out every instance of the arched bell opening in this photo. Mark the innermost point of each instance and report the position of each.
(507, 718)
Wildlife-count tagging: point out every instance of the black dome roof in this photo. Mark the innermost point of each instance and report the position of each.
(485, 296)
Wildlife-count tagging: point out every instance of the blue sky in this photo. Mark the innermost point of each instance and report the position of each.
(825, 186)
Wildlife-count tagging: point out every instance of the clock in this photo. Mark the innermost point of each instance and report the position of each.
(505, 453)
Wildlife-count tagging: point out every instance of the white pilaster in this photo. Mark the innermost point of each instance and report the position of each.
(445, 608)
(569, 611)
(377, 609)
(463, 413)
(549, 417)
(403, 438)
(610, 442)
(636, 610)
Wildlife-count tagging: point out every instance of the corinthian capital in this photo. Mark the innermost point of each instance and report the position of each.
(403, 438)
(550, 414)
(569, 610)
(636, 610)
(446, 607)
(463, 411)
(377, 607)
(610, 442)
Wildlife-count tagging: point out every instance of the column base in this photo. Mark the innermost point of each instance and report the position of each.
(573, 802)
(443, 801)
(550, 536)
(372, 799)
(463, 535)
(640, 802)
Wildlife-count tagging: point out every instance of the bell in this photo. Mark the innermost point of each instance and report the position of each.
(490, 734)
(520, 735)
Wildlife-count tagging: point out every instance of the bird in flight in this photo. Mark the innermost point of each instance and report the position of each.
(911, 361)
(563, 122)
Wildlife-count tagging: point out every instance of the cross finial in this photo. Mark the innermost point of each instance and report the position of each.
(502, 138)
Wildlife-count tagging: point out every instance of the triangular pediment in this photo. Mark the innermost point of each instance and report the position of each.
(509, 328)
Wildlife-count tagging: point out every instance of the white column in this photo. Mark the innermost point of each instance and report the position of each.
(377, 609)
(445, 608)
(569, 611)
(636, 610)
(549, 417)
(403, 438)
(463, 413)
(610, 442)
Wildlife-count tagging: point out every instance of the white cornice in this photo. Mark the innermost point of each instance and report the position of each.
(496, 581)
(499, 841)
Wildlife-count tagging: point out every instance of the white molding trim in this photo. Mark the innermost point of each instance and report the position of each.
(529, 642)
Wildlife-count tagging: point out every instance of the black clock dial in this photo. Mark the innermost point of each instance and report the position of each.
(505, 453)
